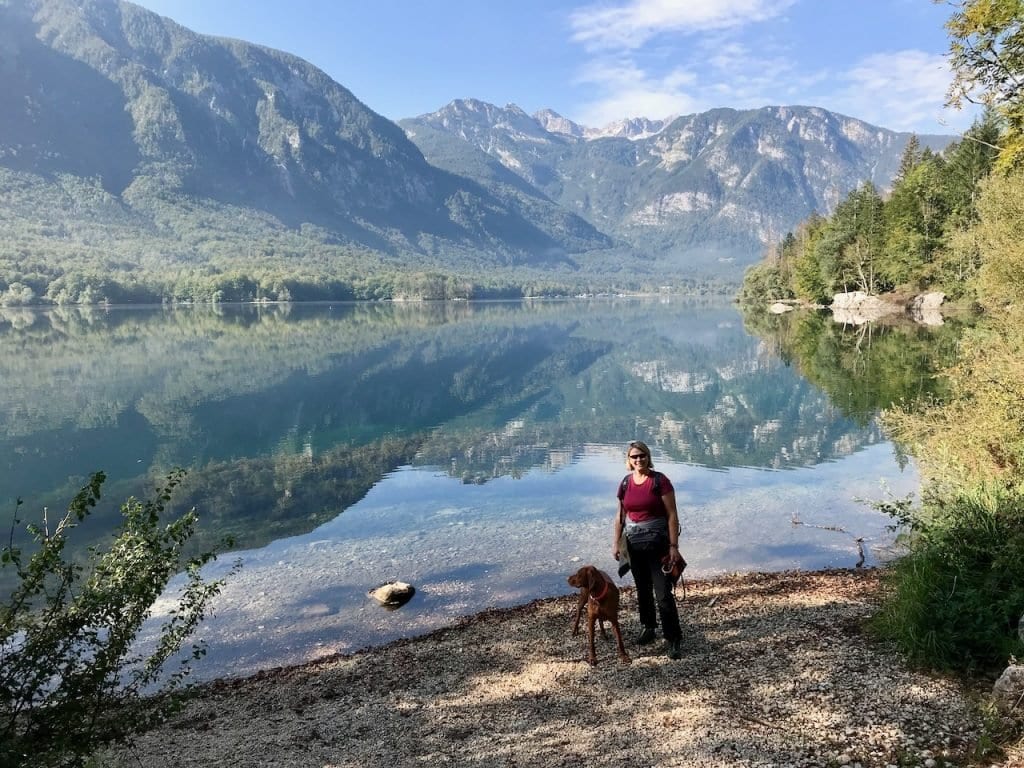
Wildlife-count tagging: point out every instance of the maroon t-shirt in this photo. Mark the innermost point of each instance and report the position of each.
(641, 502)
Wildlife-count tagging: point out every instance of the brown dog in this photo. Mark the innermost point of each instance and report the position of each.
(599, 593)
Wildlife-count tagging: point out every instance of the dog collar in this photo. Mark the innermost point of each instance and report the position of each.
(604, 591)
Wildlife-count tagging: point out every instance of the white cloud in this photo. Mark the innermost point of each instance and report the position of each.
(630, 25)
(902, 91)
(628, 91)
(677, 77)
(718, 74)
(655, 58)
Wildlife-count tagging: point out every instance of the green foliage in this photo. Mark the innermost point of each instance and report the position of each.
(954, 601)
(809, 283)
(976, 434)
(1000, 234)
(956, 598)
(764, 283)
(986, 54)
(17, 295)
(70, 243)
(968, 165)
(915, 238)
(851, 244)
(915, 219)
(70, 676)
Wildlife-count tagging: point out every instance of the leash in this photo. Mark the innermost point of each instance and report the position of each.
(666, 568)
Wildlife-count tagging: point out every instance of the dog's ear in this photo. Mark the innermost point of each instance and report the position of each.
(593, 578)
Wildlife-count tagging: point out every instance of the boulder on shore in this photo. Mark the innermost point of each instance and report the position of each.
(925, 308)
(393, 594)
(1009, 689)
(858, 307)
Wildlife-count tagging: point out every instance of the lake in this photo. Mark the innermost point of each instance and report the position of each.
(472, 449)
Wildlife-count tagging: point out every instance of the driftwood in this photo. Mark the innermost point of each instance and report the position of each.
(858, 540)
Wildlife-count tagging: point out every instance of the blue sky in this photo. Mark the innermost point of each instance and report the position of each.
(882, 61)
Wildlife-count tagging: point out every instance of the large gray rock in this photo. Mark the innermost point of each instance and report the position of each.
(393, 594)
(1009, 688)
(858, 307)
(925, 308)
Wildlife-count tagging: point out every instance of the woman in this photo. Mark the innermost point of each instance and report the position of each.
(647, 508)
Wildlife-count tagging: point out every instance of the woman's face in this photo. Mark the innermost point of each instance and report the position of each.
(638, 458)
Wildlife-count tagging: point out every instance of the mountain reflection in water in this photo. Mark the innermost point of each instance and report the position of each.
(472, 449)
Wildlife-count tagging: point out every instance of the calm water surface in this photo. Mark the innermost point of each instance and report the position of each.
(471, 449)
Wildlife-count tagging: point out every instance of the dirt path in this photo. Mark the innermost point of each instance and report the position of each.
(776, 671)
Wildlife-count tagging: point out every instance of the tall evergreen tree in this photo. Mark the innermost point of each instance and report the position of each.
(915, 221)
(851, 247)
(809, 282)
(910, 158)
(967, 163)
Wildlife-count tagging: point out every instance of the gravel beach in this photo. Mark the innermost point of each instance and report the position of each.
(777, 670)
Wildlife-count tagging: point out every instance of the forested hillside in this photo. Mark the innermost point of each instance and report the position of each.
(142, 162)
(915, 237)
(953, 222)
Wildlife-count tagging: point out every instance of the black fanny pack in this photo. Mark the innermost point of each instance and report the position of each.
(648, 535)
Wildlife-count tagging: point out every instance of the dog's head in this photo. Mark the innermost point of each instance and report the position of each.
(583, 578)
(587, 576)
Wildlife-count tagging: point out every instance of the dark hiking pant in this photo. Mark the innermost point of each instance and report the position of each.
(654, 590)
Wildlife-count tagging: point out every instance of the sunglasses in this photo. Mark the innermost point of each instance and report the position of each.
(637, 456)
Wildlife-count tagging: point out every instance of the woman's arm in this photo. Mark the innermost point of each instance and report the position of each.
(669, 500)
(617, 532)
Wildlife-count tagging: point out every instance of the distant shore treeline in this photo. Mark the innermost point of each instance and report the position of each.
(233, 286)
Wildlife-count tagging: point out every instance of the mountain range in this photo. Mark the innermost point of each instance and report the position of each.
(120, 126)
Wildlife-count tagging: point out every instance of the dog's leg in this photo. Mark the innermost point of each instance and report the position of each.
(591, 619)
(584, 594)
(623, 656)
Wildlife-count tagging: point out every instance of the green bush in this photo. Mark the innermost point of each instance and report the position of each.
(763, 283)
(955, 600)
(71, 680)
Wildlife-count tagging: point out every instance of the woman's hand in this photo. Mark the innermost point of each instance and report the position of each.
(617, 532)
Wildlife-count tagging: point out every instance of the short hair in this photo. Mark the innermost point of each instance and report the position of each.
(643, 447)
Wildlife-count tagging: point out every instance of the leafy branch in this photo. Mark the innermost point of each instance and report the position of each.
(71, 679)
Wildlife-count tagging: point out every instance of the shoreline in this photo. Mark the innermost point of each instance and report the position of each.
(777, 670)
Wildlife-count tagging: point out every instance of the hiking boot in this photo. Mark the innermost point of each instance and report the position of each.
(646, 637)
(675, 649)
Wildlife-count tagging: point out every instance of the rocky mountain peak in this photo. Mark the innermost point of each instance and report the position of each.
(633, 128)
(553, 122)
(477, 121)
